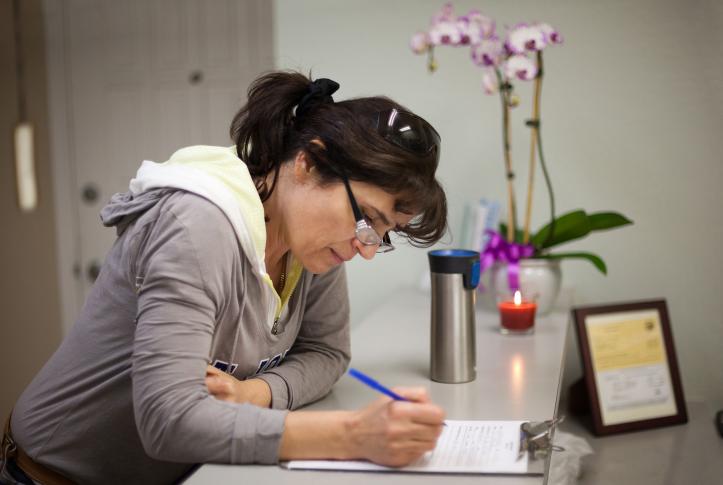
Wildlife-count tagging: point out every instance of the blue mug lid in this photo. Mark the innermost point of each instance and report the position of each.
(457, 261)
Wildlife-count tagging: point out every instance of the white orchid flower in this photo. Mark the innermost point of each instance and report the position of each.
(523, 38)
(519, 66)
(445, 33)
(484, 25)
(488, 52)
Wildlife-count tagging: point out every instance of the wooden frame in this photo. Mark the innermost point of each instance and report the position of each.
(630, 367)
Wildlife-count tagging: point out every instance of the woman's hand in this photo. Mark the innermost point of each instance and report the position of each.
(392, 433)
(226, 387)
(395, 433)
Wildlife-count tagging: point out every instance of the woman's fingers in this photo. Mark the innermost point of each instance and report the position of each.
(218, 387)
(414, 394)
(405, 452)
(212, 371)
(417, 432)
(219, 384)
(424, 413)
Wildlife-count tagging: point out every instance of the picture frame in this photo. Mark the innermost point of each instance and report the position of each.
(630, 367)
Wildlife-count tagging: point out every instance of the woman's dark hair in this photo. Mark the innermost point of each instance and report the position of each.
(267, 134)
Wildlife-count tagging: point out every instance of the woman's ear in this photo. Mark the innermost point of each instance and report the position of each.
(303, 167)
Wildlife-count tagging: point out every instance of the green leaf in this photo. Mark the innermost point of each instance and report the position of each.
(601, 221)
(572, 225)
(593, 258)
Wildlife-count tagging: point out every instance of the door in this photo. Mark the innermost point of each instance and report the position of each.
(142, 79)
(30, 327)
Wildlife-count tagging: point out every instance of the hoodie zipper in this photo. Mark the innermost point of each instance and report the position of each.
(275, 326)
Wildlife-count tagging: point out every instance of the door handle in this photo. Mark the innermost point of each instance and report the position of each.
(90, 194)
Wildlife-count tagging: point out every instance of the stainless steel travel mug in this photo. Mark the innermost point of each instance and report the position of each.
(455, 275)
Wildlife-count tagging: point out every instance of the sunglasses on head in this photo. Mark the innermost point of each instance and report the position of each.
(409, 131)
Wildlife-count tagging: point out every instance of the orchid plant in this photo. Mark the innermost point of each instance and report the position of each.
(516, 55)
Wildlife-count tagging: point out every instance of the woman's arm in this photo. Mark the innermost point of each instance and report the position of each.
(321, 352)
(182, 289)
(386, 432)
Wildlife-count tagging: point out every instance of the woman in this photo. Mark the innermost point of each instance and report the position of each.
(237, 265)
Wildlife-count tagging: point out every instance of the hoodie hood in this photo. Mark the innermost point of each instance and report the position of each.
(123, 208)
(215, 173)
(220, 176)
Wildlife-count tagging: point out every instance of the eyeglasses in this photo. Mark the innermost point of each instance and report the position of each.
(365, 233)
(409, 131)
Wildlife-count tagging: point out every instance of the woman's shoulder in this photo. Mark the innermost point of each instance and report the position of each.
(184, 226)
(203, 221)
(191, 235)
(194, 208)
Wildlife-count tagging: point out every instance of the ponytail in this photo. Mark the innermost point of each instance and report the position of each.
(261, 127)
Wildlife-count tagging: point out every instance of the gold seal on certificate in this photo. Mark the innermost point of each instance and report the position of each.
(631, 371)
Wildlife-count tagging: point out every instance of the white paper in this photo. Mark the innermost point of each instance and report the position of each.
(463, 447)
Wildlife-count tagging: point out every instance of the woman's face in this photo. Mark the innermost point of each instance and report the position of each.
(320, 224)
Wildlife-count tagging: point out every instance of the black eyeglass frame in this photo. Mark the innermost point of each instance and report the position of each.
(365, 233)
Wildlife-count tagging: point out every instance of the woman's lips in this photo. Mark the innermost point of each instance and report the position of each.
(337, 259)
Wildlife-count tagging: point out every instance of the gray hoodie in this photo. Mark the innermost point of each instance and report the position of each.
(123, 399)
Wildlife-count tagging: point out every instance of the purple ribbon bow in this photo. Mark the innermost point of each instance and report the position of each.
(498, 249)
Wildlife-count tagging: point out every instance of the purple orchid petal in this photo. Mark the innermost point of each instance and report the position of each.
(445, 14)
(476, 26)
(552, 35)
(466, 30)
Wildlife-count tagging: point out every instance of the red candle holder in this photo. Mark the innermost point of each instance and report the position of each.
(517, 315)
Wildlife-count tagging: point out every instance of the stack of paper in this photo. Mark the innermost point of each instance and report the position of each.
(463, 447)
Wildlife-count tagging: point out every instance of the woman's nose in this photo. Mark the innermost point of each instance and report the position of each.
(367, 252)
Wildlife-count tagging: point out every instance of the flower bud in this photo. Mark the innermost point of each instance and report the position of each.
(419, 43)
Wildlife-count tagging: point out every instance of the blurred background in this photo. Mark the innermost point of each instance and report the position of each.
(632, 108)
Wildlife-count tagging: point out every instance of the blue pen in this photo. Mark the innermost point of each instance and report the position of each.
(375, 385)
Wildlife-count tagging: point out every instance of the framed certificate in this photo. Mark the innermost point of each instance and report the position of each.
(631, 372)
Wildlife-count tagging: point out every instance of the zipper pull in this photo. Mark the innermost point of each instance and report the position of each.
(275, 327)
(138, 283)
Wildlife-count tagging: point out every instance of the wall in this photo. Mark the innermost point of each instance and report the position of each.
(632, 111)
(30, 327)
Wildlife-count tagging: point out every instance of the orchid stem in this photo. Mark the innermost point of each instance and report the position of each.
(534, 124)
(543, 165)
(505, 88)
(431, 61)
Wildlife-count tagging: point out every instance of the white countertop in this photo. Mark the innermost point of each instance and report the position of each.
(518, 378)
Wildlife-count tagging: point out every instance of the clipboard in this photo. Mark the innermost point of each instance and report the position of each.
(512, 448)
(536, 441)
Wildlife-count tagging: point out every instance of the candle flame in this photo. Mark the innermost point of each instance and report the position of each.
(518, 297)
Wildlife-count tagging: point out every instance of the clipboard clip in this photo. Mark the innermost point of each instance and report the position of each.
(536, 437)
